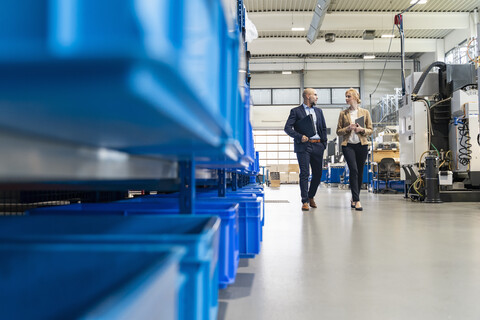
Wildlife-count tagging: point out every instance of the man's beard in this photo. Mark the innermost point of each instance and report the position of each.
(313, 103)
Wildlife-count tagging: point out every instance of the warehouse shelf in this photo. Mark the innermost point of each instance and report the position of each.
(135, 80)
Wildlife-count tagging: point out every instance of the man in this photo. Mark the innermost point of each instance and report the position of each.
(309, 150)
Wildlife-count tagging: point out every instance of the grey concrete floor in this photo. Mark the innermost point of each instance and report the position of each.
(395, 260)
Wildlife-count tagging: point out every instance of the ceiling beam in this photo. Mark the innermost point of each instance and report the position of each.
(310, 64)
(296, 46)
(281, 21)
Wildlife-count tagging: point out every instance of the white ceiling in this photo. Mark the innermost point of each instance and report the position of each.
(425, 26)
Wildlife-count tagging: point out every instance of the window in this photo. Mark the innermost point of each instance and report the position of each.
(274, 147)
(261, 96)
(291, 96)
(286, 96)
(338, 95)
(324, 96)
(459, 55)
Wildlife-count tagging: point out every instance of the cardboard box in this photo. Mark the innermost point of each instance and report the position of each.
(293, 168)
(274, 183)
(293, 177)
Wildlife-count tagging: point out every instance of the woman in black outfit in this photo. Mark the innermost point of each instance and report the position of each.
(354, 143)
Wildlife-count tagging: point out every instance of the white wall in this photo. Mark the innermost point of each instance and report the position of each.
(332, 78)
(391, 79)
(275, 80)
(427, 59)
(274, 117)
(455, 37)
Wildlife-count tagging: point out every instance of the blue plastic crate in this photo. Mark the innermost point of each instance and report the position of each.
(250, 212)
(199, 235)
(398, 185)
(90, 281)
(247, 190)
(151, 54)
(228, 255)
(334, 174)
(249, 218)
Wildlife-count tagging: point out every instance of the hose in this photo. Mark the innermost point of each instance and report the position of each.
(464, 152)
(439, 64)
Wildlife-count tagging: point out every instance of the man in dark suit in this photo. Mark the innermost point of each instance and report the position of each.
(309, 150)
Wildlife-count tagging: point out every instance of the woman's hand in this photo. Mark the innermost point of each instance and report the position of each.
(359, 129)
(351, 127)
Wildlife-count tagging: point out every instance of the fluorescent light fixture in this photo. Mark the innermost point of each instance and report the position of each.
(388, 36)
(242, 71)
(419, 2)
(286, 72)
(368, 56)
(298, 29)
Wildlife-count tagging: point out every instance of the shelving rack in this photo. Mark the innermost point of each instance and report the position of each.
(118, 96)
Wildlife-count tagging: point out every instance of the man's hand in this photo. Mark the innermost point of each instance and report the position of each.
(304, 138)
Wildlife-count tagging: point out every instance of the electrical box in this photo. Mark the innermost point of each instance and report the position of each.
(445, 178)
(429, 86)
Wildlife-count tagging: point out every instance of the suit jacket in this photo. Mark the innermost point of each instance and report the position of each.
(299, 113)
(344, 122)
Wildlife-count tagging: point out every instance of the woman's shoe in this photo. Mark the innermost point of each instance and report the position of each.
(352, 204)
(359, 207)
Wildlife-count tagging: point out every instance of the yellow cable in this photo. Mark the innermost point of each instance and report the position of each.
(420, 161)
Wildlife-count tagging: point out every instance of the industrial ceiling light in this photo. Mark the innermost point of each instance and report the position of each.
(330, 37)
(298, 29)
(286, 72)
(419, 2)
(317, 19)
(388, 36)
(368, 34)
(368, 56)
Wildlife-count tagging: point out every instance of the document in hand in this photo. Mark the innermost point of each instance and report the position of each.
(361, 121)
(305, 126)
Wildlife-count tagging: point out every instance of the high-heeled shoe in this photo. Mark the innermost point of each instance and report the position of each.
(352, 204)
(358, 208)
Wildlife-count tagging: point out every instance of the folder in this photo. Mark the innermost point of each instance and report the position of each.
(360, 121)
(305, 126)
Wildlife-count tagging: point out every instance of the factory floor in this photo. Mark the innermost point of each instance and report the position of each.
(397, 259)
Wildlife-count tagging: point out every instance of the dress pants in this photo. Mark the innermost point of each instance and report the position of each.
(355, 155)
(312, 157)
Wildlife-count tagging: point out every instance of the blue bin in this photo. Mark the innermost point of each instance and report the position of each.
(100, 58)
(198, 234)
(398, 185)
(250, 212)
(228, 255)
(324, 175)
(334, 174)
(89, 281)
(250, 216)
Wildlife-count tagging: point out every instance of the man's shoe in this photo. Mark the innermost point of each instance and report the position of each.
(305, 207)
(312, 203)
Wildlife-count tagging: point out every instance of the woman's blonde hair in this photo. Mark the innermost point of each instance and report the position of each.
(354, 94)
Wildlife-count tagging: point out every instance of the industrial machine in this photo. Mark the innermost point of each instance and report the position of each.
(439, 134)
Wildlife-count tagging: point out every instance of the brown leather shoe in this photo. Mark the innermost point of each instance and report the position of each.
(312, 203)
(305, 206)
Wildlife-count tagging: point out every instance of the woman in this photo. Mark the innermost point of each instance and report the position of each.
(354, 142)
